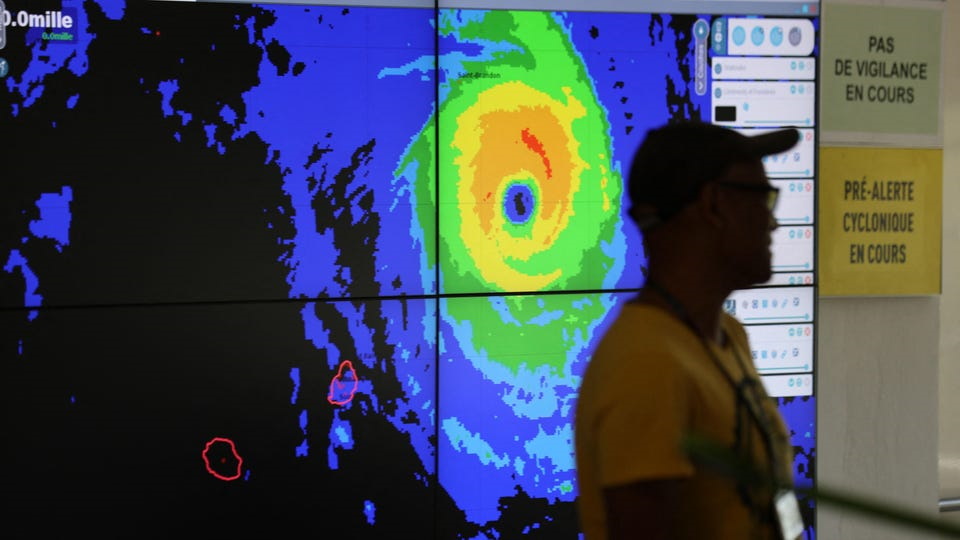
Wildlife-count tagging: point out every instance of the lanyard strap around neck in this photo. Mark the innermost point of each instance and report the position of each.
(761, 418)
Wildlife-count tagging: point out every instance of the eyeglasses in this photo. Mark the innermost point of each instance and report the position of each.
(773, 193)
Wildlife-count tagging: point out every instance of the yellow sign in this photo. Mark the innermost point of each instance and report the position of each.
(879, 221)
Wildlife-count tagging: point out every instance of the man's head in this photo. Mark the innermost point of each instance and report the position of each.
(675, 161)
(713, 177)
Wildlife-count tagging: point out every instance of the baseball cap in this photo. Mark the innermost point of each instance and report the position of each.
(675, 160)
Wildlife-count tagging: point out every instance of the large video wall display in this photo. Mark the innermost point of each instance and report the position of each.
(338, 269)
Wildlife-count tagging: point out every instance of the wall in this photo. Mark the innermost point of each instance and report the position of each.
(950, 299)
(877, 408)
(881, 361)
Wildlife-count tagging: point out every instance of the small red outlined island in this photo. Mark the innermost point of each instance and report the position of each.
(343, 385)
(222, 459)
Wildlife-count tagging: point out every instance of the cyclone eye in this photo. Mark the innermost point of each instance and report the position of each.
(518, 204)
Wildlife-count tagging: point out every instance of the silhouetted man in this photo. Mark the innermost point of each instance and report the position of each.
(674, 363)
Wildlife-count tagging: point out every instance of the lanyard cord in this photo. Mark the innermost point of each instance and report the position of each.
(762, 420)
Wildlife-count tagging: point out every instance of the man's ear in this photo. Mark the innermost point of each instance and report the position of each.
(708, 205)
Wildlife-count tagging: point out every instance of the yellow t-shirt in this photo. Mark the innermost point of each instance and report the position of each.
(649, 384)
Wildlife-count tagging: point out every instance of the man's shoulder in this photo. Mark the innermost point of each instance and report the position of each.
(734, 328)
(644, 339)
(645, 328)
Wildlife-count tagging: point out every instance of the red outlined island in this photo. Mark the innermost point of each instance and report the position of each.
(343, 385)
(222, 459)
